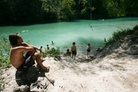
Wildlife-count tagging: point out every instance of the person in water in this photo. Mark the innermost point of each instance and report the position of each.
(41, 51)
(23, 55)
(47, 47)
(52, 43)
(73, 49)
(88, 49)
(68, 53)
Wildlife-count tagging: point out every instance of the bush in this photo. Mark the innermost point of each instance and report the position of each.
(4, 51)
(121, 34)
(53, 52)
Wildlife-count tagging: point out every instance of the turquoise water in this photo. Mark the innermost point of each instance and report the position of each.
(64, 33)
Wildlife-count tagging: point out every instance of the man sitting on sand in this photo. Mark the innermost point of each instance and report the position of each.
(18, 50)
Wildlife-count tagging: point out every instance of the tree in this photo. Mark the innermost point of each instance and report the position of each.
(115, 8)
(5, 13)
(26, 11)
(131, 7)
(67, 12)
(51, 10)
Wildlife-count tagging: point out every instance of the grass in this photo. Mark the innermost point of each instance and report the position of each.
(4, 51)
(53, 52)
(121, 34)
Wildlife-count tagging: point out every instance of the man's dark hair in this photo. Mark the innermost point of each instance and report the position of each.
(13, 38)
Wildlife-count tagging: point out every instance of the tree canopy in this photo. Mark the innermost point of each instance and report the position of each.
(22, 12)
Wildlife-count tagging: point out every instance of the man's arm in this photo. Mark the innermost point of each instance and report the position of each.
(28, 45)
(24, 49)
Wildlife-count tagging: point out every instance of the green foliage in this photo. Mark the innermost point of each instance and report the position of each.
(88, 8)
(67, 12)
(4, 51)
(53, 52)
(121, 34)
(115, 8)
(136, 28)
(43, 11)
(51, 10)
(4, 13)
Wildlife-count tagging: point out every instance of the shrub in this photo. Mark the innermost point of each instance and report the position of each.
(120, 34)
(4, 51)
(53, 52)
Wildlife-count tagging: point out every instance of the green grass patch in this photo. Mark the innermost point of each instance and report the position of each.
(4, 51)
(53, 52)
(121, 34)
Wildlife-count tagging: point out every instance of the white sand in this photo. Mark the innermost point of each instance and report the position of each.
(109, 75)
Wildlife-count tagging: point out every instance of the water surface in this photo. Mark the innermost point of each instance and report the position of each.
(64, 33)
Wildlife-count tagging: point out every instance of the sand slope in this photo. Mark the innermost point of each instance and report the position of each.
(110, 75)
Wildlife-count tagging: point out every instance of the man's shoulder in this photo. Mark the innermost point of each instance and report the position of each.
(17, 47)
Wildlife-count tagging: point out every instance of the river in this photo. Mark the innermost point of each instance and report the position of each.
(64, 33)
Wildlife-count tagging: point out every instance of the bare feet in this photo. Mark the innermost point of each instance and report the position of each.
(44, 59)
(45, 69)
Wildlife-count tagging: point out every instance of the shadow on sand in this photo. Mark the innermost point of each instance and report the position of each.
(29, 76)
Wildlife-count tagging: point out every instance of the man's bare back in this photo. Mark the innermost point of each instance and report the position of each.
(17, 50)
(16, 55)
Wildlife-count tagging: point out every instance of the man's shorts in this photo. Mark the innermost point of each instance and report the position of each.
(29, 61)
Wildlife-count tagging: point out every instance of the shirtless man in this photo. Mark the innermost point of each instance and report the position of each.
(74, 49)
(88, 49)
(17, 51)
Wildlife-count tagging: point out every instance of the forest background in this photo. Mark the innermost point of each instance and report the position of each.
(24, 12)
